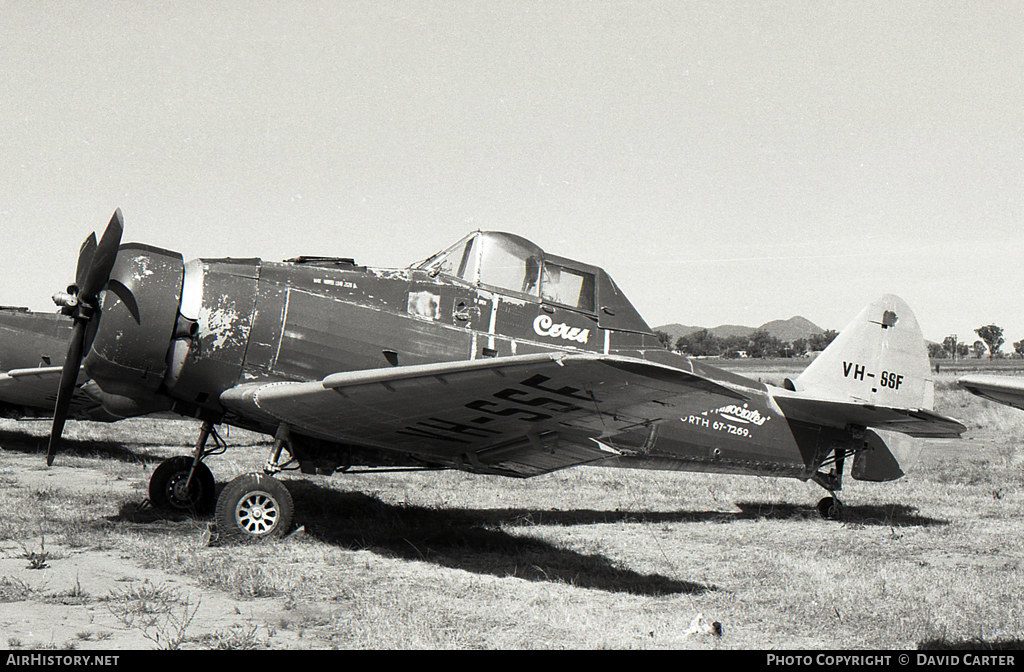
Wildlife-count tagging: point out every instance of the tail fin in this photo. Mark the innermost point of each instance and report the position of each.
(875, 374)
(879, 359)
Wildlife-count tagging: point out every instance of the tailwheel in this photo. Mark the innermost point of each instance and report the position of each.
(830, 508)
(171, 488)
(252, 507)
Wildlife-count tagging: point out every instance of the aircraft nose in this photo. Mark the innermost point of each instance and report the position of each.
(140, 311)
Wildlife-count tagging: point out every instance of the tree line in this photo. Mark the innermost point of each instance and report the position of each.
(703, 343)
(990, 339)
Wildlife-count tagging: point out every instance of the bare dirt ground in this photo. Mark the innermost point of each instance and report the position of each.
(99, 596)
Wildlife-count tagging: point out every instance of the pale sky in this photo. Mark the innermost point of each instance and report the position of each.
(725, 162)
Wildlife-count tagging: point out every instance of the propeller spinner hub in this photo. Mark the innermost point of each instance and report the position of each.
(66, 299)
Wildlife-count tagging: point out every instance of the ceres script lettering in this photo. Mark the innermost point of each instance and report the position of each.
(545, 326)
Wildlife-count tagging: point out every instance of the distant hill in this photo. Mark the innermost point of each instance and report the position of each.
(792, 329)
(677, 330)
(784, 330)
(729, 330)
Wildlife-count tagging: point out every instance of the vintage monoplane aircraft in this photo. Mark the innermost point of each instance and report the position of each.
(32, 348)
(491, 356)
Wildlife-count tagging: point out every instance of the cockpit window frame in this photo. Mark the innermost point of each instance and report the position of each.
(522, 277)
(435, 263)
(472, 262)
(585, 292)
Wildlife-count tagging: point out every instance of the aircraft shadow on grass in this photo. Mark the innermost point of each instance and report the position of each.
(475, 540)
(24, 442)
(883, 515)
(465, 539)
(457, 538)
(479, 540)
(894, 514)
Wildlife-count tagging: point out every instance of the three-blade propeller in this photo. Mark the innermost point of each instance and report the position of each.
(82, 302)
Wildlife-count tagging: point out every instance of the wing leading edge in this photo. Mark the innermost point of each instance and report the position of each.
(522, 415)
(33, 392)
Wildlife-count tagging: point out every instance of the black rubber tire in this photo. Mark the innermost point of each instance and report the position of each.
(830, 508)
(253, 507)
(167, 486)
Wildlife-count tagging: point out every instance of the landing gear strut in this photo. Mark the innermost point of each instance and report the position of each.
(185, 484)
(831, 508)
(252, 506)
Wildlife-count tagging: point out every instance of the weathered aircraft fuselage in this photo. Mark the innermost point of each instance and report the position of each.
(211, 324)
(32, 339)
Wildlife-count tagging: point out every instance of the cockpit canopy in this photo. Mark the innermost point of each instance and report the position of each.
(510, 264)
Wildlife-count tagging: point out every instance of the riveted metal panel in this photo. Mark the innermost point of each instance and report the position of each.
(225, 315)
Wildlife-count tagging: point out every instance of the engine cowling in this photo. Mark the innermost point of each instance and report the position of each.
(128, 356)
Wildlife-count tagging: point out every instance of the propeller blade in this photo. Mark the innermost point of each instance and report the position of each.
(103, 260)
(127, 298)
(95, 262)
(68, 378)
(85, 255)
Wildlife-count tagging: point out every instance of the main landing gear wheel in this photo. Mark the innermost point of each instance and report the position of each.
(830, 508)
(252, 507)
(167, 486)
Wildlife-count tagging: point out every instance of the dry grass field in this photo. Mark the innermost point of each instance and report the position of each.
(585, 558)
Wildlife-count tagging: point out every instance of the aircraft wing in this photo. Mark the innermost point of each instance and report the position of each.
(521, 415)
(1003, 389)
(33, 393)
(916, 422)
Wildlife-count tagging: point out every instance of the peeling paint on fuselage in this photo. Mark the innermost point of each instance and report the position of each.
(140, 268)
(223, 325)
(400, 274)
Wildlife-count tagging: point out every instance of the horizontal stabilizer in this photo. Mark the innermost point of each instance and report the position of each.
(913, 422)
